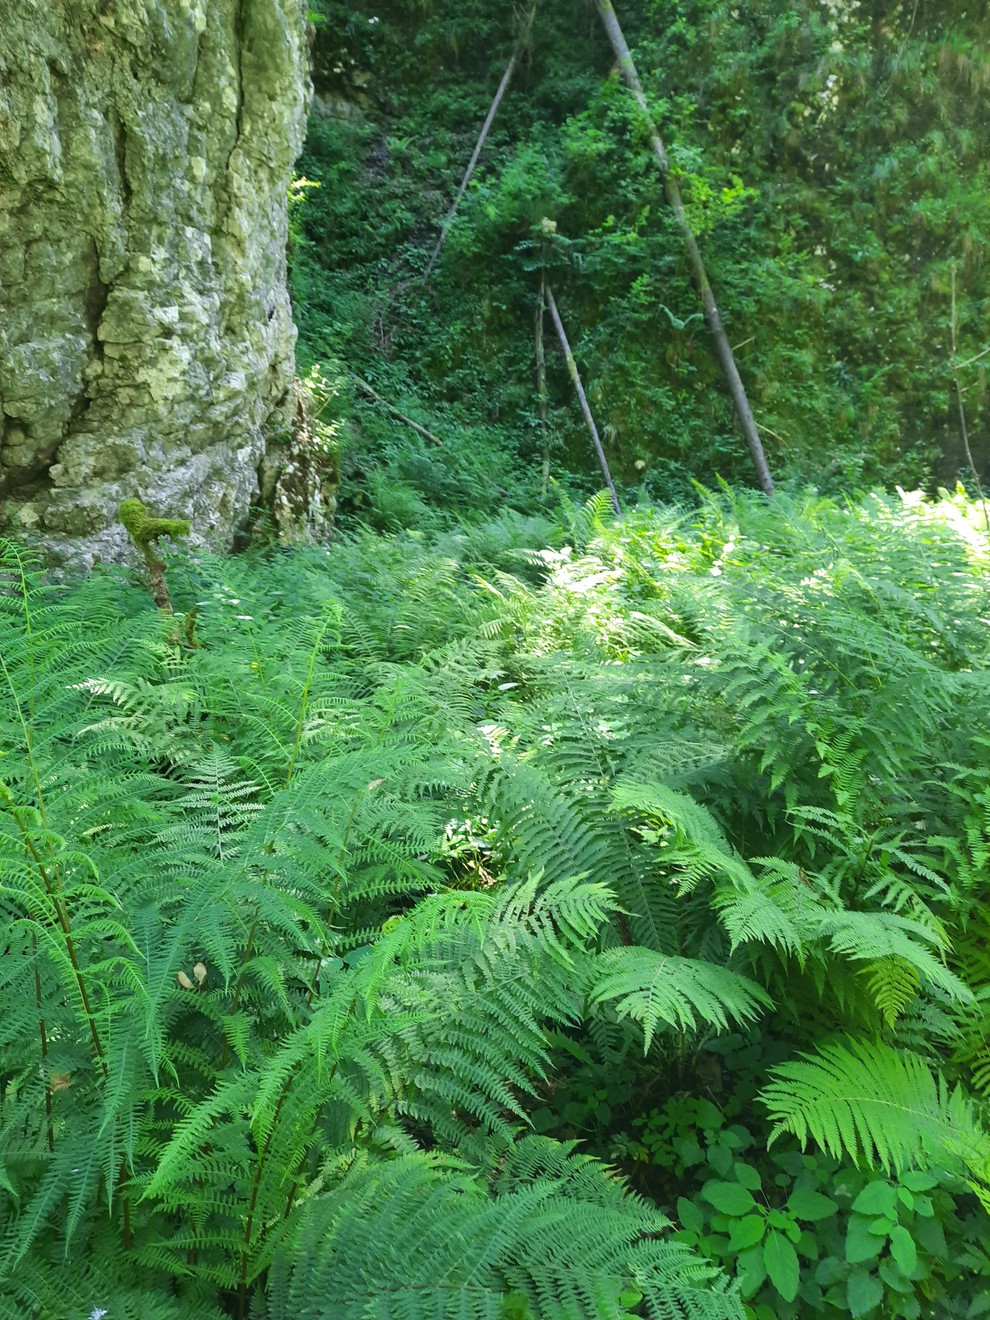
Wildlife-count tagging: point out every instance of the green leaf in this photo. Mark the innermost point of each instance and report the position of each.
(919, 1180)
(747, 1232)
(803, 1203)
(709, 1116)
(752, 1270)
(690, 1215)
(748, 1176)
(882, 1225)
(903, 1249)
(894, 1278)
(864, 1291)
(720, 1159)
(729, 1198)
(876, 1198)
(861, 1244)
(689, 1151)
(808, 1244)
(782, 1265)
(543, 1119)
(930, 1236)
(830, 1271)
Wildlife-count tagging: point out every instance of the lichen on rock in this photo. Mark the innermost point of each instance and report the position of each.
(146, 341)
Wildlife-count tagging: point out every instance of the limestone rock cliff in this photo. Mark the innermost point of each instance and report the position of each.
(146, 337)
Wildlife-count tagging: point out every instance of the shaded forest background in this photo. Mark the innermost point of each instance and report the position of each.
(834, 164)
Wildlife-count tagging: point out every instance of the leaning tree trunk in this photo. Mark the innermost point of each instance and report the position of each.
(146, 340)
(589, 420)
(472, 164)
(672, 192)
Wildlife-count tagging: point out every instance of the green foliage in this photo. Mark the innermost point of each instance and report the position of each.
(598, 828)
(833, 160)
(652, 987)
(806, 1233)
(211, 859)
(868, 1100)
(494, 1248)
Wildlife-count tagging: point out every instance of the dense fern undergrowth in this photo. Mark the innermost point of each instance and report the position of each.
(456, 926)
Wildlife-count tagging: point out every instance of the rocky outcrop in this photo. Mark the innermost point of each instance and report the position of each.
(146, 337)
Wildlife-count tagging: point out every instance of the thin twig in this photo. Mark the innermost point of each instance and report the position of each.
(541, 380)
(969, 361)
(44, 1046)
(53, 889)
(373, 394)
(761, 427)
(672, 192)
(482, 139)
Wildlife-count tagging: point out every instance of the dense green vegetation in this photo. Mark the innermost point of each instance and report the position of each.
(833, 157)
(335, 917)
(511, 911)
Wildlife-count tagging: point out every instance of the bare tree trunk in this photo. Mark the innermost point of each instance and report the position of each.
(963, 428)
(541, 379)
(723, 351)
(472, 163)
(579, 388)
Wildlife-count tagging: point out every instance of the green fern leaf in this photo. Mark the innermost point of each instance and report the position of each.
(683, 993)
(879, 1106)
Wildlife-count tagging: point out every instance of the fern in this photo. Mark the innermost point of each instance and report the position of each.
(277, 1018)
(418, 1238)
(876, 1104)
(682, 992)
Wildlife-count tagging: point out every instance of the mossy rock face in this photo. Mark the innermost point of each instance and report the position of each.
(147, 340)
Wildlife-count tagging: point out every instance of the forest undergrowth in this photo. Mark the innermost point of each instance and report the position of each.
(544, 915)
(567, 917)
(833, 162)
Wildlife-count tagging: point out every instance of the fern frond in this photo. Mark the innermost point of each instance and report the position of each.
(877, 1105)
(695, 845)
(775, 907)
(872, 936)
(893, 983)
(682, 992)
(417, 1238)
